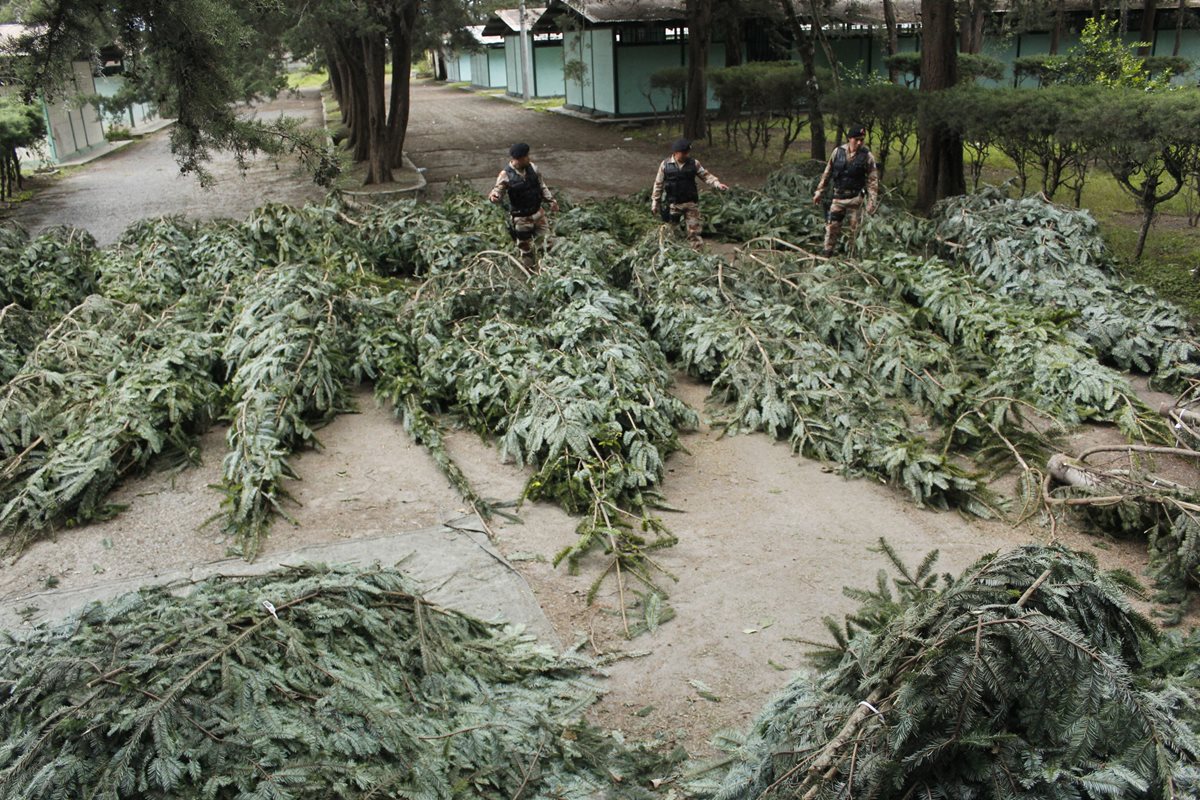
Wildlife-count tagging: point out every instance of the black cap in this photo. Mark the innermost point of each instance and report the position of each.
(519, 150)
(857, 132)
(681, 146)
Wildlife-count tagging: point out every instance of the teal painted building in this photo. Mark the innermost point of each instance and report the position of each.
(545, 53)
(611, 48)
(486, 69)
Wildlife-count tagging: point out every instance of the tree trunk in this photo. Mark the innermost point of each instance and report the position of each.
(335, 77)
(1149, 12)
(1149, 203)
(812, 89)
(354, 81)
(971, 27)
(1180, 14)
(699, 14)
(940, 171)
(402, 23)
(1123, 15)
(893, 38)
(818, 27)
(733, 42)
(379, 163)
(1060, 13)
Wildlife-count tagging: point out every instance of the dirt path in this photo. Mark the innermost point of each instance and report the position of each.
(767, 541)
(454, 133)
(143, 180)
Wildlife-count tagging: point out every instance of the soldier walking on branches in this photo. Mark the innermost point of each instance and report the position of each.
(675, 193)
(526, 192)
(853, 173)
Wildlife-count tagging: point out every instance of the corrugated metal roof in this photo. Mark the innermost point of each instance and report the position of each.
(868, 12)
(508, 20)
(609, 11)
(476, 32)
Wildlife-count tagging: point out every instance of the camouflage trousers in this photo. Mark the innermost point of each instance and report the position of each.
(528, 229)
(847, 210)
(691, 220)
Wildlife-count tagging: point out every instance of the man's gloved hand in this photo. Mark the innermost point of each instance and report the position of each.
(553, 206)
(654, 208)
(872, 206)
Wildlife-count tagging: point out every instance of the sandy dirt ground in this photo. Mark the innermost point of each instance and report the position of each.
(766, 540)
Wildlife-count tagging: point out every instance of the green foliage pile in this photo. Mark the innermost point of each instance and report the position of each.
(560, 370)
(900, 368)
(288, 370)
(1052, 257)
(1029, 675)
(50, 273)
(106, 389)
(897, 367)
(306, 683)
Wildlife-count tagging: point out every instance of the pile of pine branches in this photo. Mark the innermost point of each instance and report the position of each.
(1051, 256)
(897, 366)
(307, 683)
(559, 369)
(1027, 676)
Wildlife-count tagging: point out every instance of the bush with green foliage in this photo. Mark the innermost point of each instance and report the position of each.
(22, 125)
(762, 101)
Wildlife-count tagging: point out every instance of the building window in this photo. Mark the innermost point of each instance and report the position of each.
(650, 33)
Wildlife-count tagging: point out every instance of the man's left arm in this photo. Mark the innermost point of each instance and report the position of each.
(709, 178)
(547, 195)
(872, 184)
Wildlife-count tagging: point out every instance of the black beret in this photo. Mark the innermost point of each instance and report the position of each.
(857, 132)
(519, 150)
(681, 146)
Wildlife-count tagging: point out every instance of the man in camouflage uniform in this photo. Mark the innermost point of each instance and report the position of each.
(852, 171)
(527, 192)
(675, 185)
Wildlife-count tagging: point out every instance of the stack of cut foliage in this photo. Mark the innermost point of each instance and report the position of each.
(1028, 676)
(1051, 256)
(306, 684)
(1030, 251)
(558, 367)
(897, 366)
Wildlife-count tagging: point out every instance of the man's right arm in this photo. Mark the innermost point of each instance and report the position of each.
(657, 191)
(821, 184)
(500, 188)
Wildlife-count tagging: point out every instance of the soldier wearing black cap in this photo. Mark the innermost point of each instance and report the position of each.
(526, 192)
(852, 172)
(675, 185)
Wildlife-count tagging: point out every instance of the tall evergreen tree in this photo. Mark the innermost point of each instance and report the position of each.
(940, 171)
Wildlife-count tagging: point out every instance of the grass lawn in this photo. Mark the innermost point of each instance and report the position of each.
(306, 80)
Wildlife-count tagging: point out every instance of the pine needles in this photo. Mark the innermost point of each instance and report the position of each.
(309, 683)
(1027, 676)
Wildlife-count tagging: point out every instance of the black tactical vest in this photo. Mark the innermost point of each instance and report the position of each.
(681, 181)
(850, 174)
(524, 194)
